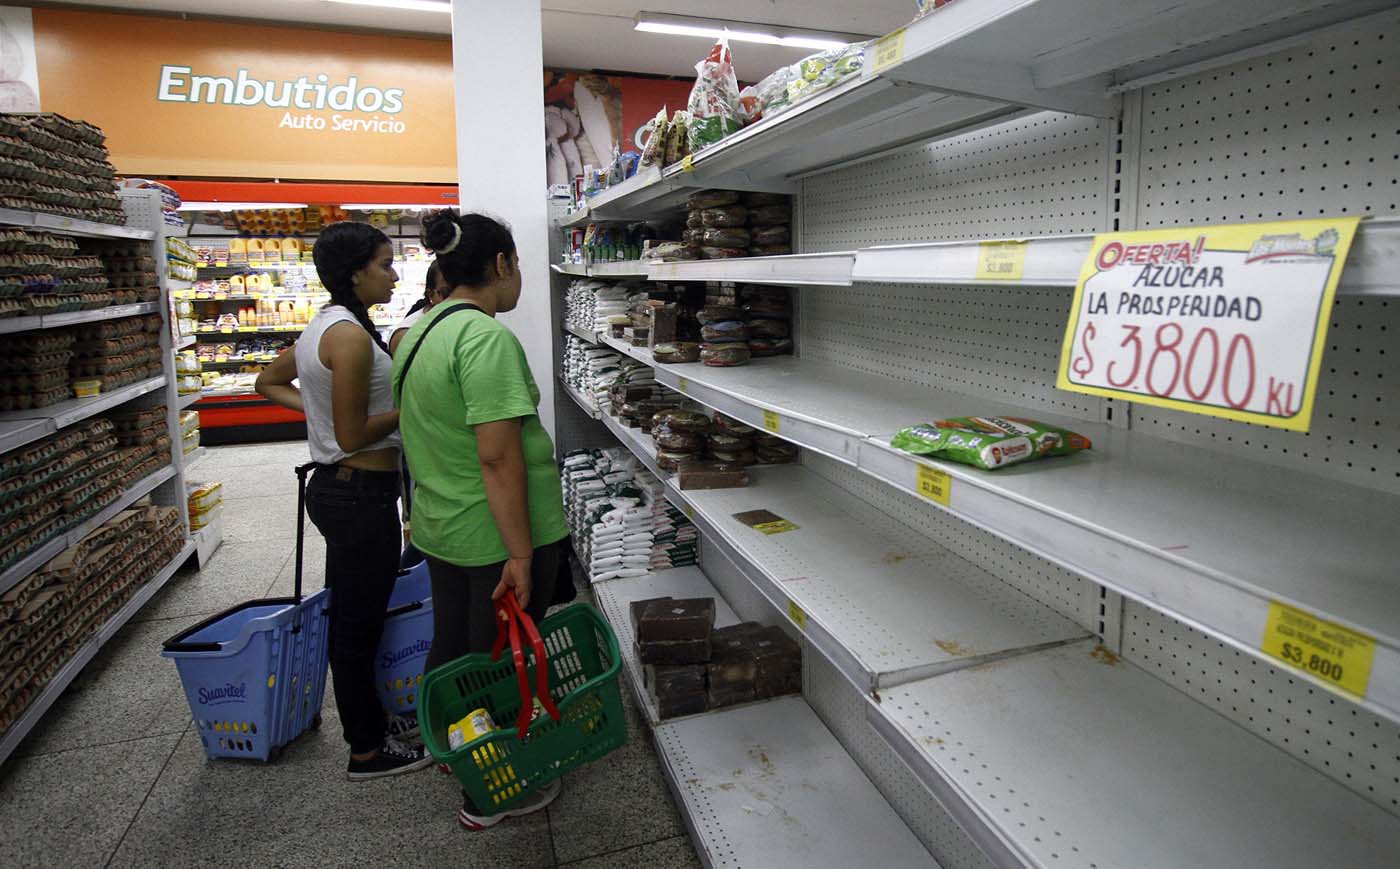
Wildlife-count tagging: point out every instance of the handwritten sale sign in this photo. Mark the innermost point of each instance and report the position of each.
(1228, 321)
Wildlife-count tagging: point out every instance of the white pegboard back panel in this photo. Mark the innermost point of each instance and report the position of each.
(998, 343)
(842, 709)
(1311, 131)
(1357, 748)
(1067, 593)
(1045, 174)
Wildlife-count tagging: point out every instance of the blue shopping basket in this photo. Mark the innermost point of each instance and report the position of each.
(408, 635)
(255, 674)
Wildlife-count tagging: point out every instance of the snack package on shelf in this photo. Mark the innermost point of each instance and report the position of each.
(714, 108)
(989, 442)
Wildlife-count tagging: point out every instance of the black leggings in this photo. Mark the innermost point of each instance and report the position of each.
(464, 618)
(357, 512)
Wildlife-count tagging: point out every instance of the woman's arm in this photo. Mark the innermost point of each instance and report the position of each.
(395, 339)
(275, 381)
(348, 353)
(499, 448)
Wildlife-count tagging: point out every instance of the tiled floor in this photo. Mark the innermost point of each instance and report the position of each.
(114, 775)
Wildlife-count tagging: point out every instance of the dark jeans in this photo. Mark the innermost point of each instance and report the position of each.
(464, 617)
(356, 512)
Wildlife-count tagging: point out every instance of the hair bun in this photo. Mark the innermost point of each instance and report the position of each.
(441, 232)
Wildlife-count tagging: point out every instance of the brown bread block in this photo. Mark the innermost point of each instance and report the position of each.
(676, 619)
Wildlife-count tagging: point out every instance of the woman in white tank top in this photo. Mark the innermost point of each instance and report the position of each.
(343, 369)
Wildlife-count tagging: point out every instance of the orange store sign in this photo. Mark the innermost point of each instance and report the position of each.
(217, 99)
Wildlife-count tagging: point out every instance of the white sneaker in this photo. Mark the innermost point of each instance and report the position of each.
(543, 796)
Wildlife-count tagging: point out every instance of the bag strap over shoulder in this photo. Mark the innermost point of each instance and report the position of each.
(408, 363)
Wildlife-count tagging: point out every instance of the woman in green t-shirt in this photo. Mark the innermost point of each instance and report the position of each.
(488, 509)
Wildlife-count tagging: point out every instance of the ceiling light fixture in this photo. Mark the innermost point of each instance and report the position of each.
(360, 206)
(743, 31)
(237, 206)
(403, 5)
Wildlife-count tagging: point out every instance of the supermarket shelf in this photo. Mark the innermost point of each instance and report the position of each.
(32, 562)
(579, 399)
(646, 194)
(178, 285)
(641, 445)
(214, 334)
(194, 457)
(623, 269)
(590, 337)
(1207, 538)
(1057, 261)
(71, 226)
(818, 269)
(86, 652)
(578, 269)
(768, 785)
(615, 597)
(641, 354)
(232, 364)
(184, 401)
(72, 318)
(1071, 56)
(1115, 767)
(577, 217)
(47, 420)
(186, 341)
(18, 432)
(140, 489)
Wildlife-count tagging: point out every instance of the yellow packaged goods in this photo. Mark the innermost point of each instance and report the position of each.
(476, 723)
(200, 520)
(272, 250)
(237, 251)
(204, 497)
(291, 250)
(236, 285)
(87, 388)
(256, 253)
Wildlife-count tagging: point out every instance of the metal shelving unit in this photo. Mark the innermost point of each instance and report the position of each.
(86, 652)
(25, 426)
(1167, 737)
(590, 337)
(580, 400)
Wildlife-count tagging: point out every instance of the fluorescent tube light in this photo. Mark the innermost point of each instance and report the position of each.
(742, 31)
(358, 206)
(237, 206)
(403, 5)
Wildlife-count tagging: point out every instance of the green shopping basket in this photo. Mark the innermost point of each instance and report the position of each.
(578, 689)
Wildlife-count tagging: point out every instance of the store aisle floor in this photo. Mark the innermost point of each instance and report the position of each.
(114, 775)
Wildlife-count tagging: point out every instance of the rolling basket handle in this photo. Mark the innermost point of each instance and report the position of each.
(511, 619)
(302, 471)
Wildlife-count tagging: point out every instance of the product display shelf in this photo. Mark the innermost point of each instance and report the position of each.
(767, 784)
(590, 337)
(73, 318)
(1072, 56)
(32, 562)
(577, 269)
(231, 364)
(138, 490)
(54, 417)
(577, 217)
(186, 341)
(70, 225)
(819, 269)
(584, 404)
(18, 432)
(1071, 756)
(1205, 537)
(649, 193)
(193, 457)
(187, 399)
(1058, 260)
(86, 652)
(180, 285)
(214, 334)
(619, 269)
(644, 448)
(615, 597)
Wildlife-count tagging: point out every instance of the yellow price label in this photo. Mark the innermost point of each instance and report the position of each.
(770, 421)
(887, 51)
(1301, 641)
(681, 384)
(934, 485)
(1001, 260)
(687, 164)
(226, 330)
(247, 328)
(795, 613)
(776, 527)
(690, 512)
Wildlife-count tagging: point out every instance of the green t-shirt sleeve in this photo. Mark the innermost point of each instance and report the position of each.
(495, 378)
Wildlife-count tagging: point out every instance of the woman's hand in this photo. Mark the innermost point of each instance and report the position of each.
(516, 577)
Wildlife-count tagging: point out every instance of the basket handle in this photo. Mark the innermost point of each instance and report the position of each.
(511, 618)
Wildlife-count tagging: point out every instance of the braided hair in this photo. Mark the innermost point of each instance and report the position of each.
(341, 250)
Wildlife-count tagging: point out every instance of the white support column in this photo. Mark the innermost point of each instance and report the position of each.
(498, 63)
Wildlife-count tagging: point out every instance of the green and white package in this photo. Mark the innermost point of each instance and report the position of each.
(989, 442)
